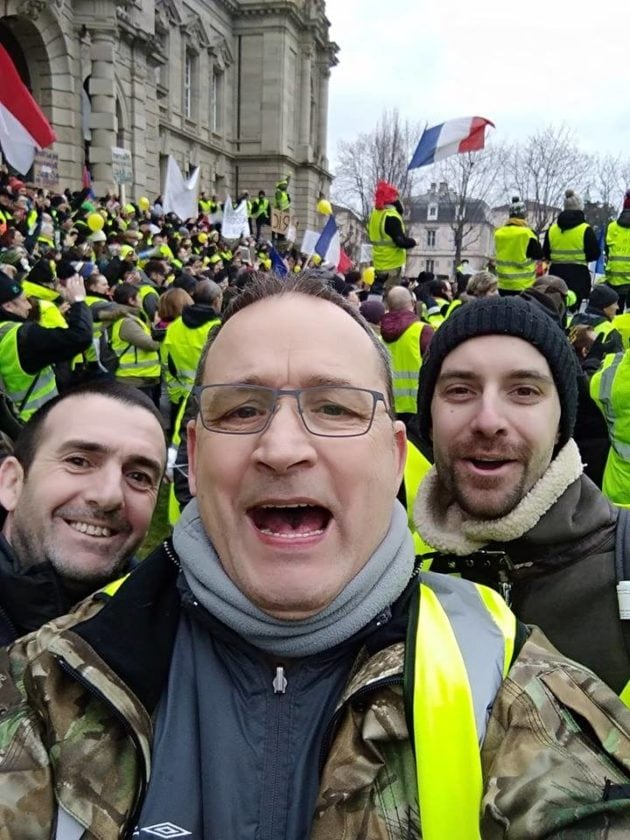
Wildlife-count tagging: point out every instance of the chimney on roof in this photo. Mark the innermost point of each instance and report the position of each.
(443, 188)
(433, 189)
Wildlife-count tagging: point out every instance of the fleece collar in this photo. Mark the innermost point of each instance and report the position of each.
(453, 532)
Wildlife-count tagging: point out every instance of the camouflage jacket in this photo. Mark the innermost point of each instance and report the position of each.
(75, 731)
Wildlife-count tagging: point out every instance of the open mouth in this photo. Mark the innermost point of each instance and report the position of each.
(488, 464)
(89, 529)
(290, 521)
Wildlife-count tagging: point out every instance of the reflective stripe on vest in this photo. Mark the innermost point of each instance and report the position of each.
(406, 364)
(464, 645)
(386, 255)
(618, 260)
(567, 246)
(515, 271)
(602, 385)
(17, 382)
(133, 360)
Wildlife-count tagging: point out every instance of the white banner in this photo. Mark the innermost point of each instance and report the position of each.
(235, 222)
(180, 196)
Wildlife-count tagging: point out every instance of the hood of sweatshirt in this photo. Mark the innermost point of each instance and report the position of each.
(198, 314)
(394, 324)
(570, 218)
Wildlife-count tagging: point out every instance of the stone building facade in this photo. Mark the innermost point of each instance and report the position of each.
(238, 87)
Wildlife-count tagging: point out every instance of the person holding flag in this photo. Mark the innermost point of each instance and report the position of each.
(386, 231)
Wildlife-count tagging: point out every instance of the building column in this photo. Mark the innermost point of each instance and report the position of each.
(323, 115)
(304, 141)
(103, 115)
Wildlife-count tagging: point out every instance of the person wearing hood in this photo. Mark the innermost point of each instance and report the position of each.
(185, 339)
(407, 339)
(570, 244)
(386, 231)
(618, 253)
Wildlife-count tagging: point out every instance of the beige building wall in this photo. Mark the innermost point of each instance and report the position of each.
(237, 87)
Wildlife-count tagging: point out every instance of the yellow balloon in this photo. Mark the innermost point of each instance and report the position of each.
(324, 207)
(95, 222)
(144, 203)
(368, 275)
(202, 238)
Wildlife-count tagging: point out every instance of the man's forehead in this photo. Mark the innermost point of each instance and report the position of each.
(96, 417)
(309, 326)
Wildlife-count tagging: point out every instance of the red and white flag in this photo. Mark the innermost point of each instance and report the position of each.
(24, 129)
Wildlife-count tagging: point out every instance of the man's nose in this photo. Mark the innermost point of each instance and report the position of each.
(286, 441)
(489, 419)
(105, 489)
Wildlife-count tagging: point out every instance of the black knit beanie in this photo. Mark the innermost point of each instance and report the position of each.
(503, 316)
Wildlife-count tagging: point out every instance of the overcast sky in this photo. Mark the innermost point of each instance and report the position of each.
(522, 65)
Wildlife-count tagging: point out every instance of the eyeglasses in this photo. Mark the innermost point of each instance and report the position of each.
(325, 410)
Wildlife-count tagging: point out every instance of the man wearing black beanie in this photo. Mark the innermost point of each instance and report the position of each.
(506, 503)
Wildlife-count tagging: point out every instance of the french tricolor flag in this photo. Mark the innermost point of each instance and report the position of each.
(467, 134)
(328, 246)
(23, 127)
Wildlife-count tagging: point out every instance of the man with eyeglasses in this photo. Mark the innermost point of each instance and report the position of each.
(278, 669)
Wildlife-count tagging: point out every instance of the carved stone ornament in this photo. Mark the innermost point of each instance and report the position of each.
(33, 8)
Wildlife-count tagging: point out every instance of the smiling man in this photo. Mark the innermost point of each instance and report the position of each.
(506, 503)
(256, 677)
(79, 493)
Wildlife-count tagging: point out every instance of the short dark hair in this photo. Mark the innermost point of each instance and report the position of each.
(31, 434)
(124, 292)
(264, 286)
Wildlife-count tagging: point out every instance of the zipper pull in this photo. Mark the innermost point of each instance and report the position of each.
(279, 681)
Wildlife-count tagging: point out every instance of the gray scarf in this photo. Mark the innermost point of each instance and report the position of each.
(375, 587)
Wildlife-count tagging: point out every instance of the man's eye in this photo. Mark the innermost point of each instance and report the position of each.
(526, 391)
(333, 410)
(141, 479)
(77, 461)
(458, 391)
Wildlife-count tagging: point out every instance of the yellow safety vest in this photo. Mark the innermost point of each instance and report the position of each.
(406, 364)
(281, 200)
(436, 315)
(567, 246)
(618, 247)
(134, 362)
(622, 324)
(26, 391)
(459, 650)
(515, 270)
(184, 345)
(174, 510)
(386, 255)
(263, 207)
(416, 467)
(98, 329)
(610, 387)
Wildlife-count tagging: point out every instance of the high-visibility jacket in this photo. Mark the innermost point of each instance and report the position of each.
(610, 388)
(386, 255)
(49, 313)
(459, 649)
(515, 270)
(183, 346)
(618, 249)
(567, 246)
(134, 362)
(281, 200)
(621, 323)
(406, 364)
(174, 509)
(27, 391)
(99, 335)
(262, 209)
(416, 467)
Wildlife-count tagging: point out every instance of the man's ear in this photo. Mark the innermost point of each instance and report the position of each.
(11, 483)
(400, 441)
(191, 445)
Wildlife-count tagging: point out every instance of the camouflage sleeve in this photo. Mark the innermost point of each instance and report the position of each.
(556, 756)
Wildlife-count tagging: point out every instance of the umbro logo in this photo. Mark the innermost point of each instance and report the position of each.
(165, 830)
